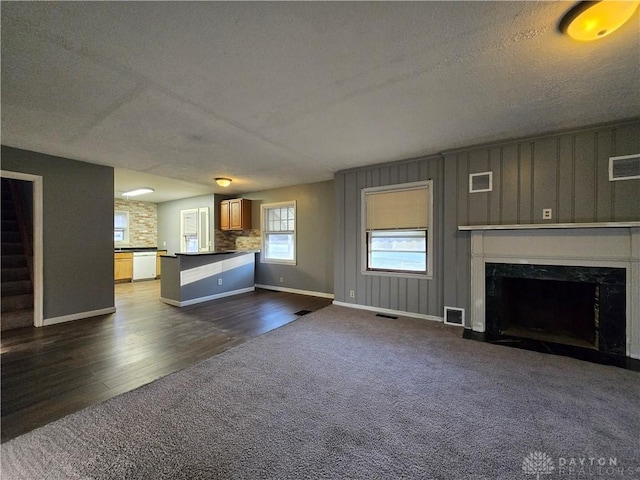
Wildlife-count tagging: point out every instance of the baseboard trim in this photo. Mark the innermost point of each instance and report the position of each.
(388, 311)
(78, 316)
(295, 290)
(193, 301)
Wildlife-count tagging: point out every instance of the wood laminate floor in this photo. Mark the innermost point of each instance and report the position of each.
(53, 371)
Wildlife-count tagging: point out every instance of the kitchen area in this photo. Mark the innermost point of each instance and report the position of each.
(136, 254)
(148, 235)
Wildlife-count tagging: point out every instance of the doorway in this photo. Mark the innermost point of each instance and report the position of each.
(22, 248)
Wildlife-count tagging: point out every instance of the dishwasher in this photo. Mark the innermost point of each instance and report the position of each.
(144, 265)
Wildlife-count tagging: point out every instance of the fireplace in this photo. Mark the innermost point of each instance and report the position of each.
(569, 305)
(570, 286)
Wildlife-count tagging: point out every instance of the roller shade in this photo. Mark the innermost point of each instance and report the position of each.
(399, 209)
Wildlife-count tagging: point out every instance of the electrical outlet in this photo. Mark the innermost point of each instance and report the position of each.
(219, 281)
(164, 244)
(352, 294)
(546, 214)
(281, 279)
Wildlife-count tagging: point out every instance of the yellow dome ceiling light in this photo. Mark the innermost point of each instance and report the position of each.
(223, 182)
(593, 20)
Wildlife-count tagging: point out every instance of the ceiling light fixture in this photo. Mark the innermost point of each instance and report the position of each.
(223, 182)
(593, 20)
(138, 191)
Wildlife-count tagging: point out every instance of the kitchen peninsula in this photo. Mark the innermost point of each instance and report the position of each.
(189, 278)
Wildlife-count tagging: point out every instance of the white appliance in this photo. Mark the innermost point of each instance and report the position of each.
(144, 265)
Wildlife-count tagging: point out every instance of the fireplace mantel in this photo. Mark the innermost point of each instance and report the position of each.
(540, 226)
(615, 245)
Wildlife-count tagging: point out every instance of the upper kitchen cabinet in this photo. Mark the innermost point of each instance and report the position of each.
(235, 214)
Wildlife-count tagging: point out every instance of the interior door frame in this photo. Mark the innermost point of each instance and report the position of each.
(38, 247)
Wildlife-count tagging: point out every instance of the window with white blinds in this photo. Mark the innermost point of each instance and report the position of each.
(279, 232)
(397, 229)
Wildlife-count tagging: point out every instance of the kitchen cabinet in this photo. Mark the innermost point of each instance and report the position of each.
(235, 214)
(123, 266)
(160, 252)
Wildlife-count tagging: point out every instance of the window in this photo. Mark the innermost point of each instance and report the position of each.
(396, 224)
(194, 230)
(279, 232)
(120, 227)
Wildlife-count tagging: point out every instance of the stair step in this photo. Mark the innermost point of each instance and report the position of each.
(17, 302)
(12, 249)
(17, 319)
(8, 213)
(18, 287)
(13, 261)
(10, 274)
(11, 237)
(9, 226)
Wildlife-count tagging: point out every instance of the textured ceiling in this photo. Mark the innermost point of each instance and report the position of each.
(275, 94)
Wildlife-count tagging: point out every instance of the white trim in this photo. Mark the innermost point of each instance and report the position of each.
(38, 244)
(295, 290)
(79, 315)
(390, 311)
(208, 298)
(540, 226)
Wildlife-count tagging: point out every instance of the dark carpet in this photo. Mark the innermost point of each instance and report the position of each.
(341, 393)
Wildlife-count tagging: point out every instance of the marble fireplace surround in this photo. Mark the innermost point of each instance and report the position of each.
(612, 244)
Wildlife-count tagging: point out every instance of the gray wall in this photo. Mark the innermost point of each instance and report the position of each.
(314, 237)
(405, 294)
(78, 230)
(567, 172)
(169, 220)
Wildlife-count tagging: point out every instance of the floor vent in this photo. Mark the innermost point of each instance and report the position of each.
(454, 316)
(302, 312)
(386, 316)
(626, 167)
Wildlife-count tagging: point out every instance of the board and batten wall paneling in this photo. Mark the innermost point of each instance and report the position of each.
(396, 293)
(567, 172)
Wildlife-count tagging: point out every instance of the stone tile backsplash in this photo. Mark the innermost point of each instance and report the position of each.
(143, 222)
(238, 240)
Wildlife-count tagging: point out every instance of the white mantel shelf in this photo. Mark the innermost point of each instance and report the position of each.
(540, 226)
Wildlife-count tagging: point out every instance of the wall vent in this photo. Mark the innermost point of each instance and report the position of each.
(626, 167)
(480, 182)
(454, 316)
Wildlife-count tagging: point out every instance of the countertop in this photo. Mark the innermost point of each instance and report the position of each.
(137, 249)
(214, 252)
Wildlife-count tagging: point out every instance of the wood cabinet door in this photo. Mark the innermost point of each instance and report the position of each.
(235, 214)
(123, 266)
(224, 215)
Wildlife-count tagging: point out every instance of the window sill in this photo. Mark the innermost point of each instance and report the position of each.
(380, 273)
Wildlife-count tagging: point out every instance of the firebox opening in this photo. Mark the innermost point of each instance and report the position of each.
(550, 310)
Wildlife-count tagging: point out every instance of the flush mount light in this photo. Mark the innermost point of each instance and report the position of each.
(138, 191)
(223, 182)
(593, 20)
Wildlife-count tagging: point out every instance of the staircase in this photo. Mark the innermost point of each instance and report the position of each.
(16, 287)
